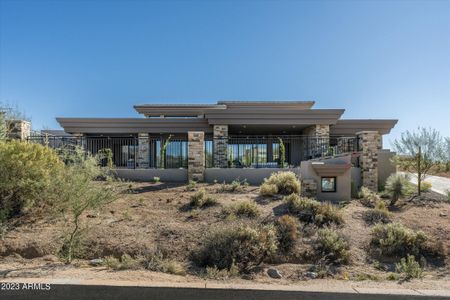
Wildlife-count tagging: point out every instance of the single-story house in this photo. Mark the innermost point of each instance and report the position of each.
(244, 140)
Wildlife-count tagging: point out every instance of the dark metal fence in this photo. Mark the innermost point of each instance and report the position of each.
(266, 151)
(242, 151)
(128, 152)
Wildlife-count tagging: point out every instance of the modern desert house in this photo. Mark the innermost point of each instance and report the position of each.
(245, 140)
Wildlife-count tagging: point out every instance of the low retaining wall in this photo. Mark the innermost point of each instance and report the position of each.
(253, 176)
(167, 175)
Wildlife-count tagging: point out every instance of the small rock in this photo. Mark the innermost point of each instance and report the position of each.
(96, 262)
(247, 277)
(443, 214)
(91, 216)
(312, 275)
(274, 273)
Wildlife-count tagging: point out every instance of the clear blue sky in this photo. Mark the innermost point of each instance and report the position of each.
(97, 58)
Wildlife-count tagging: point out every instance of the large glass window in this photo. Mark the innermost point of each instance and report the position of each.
(247, 155)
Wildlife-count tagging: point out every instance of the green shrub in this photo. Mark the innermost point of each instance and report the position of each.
(243, 246)
(191, 185)
(27, 176)
(216, 274)
(158, 263)
(367, 197)
(285, 182)
(201, 199)
(267, 189)
(126, 262)
(379, 214)
(448, 194)
(425, 186)
(312, 211)
(396, 240)
(77, 193)
(111, 262)
(156, 179)
(397, 185)
(332, 246)
(287, 232)
(247, 209)
(409, 267)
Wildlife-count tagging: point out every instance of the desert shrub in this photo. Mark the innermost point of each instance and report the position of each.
(156, 179)
(379, 214)
(77, 193)
(397, 185)
(27, 173)
(111, 262)
(158, 263)
(201, 199)
(312, 211)
(215, 273)
(247, 209)
(396, 240)
(285, 182)
(332, 246)
(267, 189)
(287, 232)
(126, 262)
(409, 267)
(191, 185)
(448, 194)
(243, 246)
(425, 186)
(367, 197)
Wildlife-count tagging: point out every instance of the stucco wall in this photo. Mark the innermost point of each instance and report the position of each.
(253, 176)
(385, 166)
(343, 182)
(168, 175)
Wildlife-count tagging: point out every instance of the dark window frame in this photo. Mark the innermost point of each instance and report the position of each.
(328, 191)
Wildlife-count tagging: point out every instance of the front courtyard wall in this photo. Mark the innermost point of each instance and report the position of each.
(251, 175)
(165, 175)
(343, 182)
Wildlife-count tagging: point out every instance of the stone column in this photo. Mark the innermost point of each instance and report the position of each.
(196, 155)
(220, 146)
(369, 143)
(143, 153)
(19, 129)
(319, 140)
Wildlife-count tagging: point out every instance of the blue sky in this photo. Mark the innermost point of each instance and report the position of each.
(377, 59)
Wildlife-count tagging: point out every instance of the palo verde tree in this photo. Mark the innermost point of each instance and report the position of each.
(446, 154)
(418, 152)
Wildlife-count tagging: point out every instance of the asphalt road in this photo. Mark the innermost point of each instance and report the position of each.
(439, 184)
(82, 292)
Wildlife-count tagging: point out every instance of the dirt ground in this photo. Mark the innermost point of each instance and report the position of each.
(156, 216)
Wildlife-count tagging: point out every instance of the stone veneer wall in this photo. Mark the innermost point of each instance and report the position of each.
(196, 155)
(220, 146)
(19, 129)
(143, 155)
(369, 144)
(317, 147)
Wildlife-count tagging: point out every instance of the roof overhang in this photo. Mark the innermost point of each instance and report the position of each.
(269, 116)
(351, 127)
(176, 109)
(330, 169)
(132, 125)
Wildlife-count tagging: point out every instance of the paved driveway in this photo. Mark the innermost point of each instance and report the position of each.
(439, 184)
